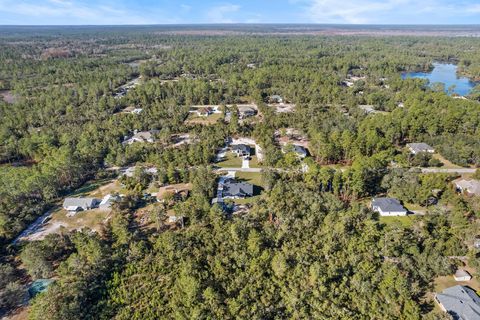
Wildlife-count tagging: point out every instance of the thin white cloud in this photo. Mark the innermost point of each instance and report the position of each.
(385, 11)
(474, 9)
(222, 13)
(73, 12)
(186, 7)
(350, 11)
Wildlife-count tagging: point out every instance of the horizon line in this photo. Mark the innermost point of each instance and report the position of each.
(246, 24)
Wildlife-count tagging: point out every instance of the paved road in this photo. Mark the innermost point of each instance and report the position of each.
(240, 169)
(37, 224)
(442, 170)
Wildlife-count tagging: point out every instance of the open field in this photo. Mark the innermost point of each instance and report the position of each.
(446, 164)
(442, 283)
(232, 161)
(211, 119)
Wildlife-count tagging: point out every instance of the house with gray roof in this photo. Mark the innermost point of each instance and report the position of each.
(241, 150)
(416, 148)
(299, 150)
(108, 200)
(142, 136)
(461, 302)
(276, 99)
(388, 207)
(73, 205)
(237, 190)
(468, 186)
(246, 111)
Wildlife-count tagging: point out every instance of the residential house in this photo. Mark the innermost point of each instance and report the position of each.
(299, 150)
(246, 111)
(276, 99)
(368, 109)
(241, 150)
(416, 148)
(204, 111)
(237, 190)
(73, 205)
(468, 186)
(460, 302)
(462, 275)
(108, 200)
(173, 218)
(388, 207)
(142, 136)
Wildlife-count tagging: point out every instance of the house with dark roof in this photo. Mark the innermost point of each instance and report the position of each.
(388, 207)
(416, 148)
(205, 111)
(276, 99)
(241, 150)
(461, 302)
(73, 205)
(246, 111)
(236, 190)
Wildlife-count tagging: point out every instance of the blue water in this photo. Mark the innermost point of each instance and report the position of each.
(445, 73)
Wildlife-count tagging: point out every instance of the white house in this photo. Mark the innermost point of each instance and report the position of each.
(73, 205)
(388, 207)
(416, 148)
(462, 275)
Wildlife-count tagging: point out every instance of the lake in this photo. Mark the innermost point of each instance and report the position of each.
(445, 73)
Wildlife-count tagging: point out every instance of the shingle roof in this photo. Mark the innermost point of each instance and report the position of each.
(241, 147)
(79, 202)
(419, 147)
(460, 301)
(388, 204)
(472, 186)
(299, 149)
(237, 189)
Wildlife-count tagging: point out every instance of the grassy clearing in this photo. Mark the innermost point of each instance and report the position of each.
(442, 283)
(405, 221)
(254, 178)
(446, 164)
(232, 161)
(91, 219)
(254, 162)
(93, 188)
(211, 119)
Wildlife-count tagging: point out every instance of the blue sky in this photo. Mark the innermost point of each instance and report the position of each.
(78, 12)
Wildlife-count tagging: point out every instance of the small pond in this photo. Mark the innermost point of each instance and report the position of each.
(445, 73)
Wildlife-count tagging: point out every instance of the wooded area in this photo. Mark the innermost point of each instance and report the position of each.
(309, 246)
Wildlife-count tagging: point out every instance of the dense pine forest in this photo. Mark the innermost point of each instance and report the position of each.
(308, 246)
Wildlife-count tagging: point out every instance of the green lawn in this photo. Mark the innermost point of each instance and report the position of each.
(254, 178)
(91, 219)
(211, 119)
(406, 221)
(232, 161)
(89, 187)
(254, 162)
